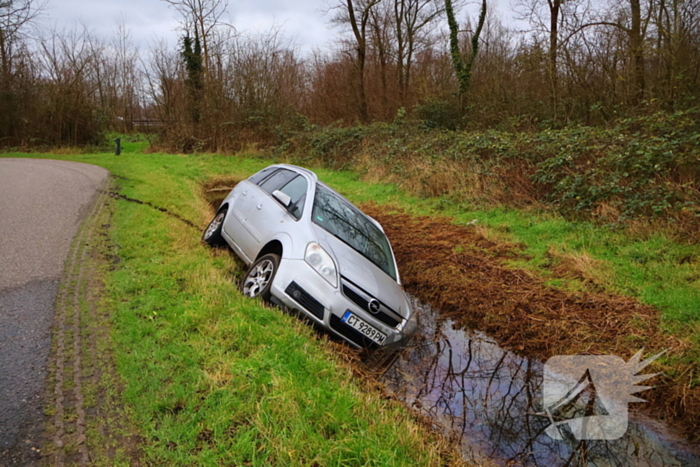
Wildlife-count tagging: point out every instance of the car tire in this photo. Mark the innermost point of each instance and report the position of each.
(212, 234)
(258, 280)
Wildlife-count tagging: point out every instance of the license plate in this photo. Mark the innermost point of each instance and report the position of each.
(365, 329)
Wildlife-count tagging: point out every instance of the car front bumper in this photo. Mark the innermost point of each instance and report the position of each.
(298, 286)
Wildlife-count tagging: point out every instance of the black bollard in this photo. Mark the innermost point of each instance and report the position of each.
(118, 148)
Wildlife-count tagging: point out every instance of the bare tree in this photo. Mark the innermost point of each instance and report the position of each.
(357, 14)
(69, 63)
(117, 78)
(203, 16)
(636, 35)
(414, 19)
(381, 39)
(677, 40)
(634, 24)
(548, 17)
(164, 82)
(14, 16)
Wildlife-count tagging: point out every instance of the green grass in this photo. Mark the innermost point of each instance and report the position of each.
(214, 378)
(217, 379)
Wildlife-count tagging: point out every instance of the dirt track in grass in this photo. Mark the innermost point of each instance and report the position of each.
(87, 422)
(464, 275)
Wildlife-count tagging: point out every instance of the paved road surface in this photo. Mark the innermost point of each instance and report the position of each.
(42, 203)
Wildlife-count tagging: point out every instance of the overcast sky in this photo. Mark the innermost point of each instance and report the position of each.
(150, 20)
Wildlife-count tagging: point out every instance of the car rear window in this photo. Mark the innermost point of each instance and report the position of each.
(344, 221)
(277, 180)
(260, 176)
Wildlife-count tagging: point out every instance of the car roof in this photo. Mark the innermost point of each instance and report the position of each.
(315, 179)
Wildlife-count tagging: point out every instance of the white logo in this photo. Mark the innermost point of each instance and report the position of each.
(590, 393)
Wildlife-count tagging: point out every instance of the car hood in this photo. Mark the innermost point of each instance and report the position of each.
(362, 272)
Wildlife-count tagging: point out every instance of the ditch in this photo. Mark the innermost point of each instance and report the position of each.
(490, 400)
(486, 392)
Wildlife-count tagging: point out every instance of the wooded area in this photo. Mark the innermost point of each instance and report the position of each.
(579, 62)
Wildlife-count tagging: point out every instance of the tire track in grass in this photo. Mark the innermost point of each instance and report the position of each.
(87, 416)
(110, 436)
(69, 419)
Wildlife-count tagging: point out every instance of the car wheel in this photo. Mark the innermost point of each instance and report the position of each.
(212, 234)
(258, 280)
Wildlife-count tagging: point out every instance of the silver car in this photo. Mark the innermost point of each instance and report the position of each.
(310, 249)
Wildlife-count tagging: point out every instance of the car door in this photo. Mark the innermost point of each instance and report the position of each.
(264, 215)
(240, 197)
(241, 200)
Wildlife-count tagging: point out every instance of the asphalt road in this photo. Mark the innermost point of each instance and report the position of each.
(42, 203)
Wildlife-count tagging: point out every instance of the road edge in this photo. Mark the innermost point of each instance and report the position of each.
(87, 422)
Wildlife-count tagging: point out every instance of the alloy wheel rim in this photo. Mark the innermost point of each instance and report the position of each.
(214, 224)
(258, 278)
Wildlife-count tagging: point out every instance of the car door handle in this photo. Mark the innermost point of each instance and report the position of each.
(259, 206)
(244, 193)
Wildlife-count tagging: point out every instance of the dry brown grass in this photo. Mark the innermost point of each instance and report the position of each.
(580, 266)
(473, 285)
(506, 184)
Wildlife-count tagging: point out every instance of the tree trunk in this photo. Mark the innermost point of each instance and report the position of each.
(381, 44)
(554, 10)
(360, 32)
(463, 70)
(399, 14)
(3, 58)
(637, 51)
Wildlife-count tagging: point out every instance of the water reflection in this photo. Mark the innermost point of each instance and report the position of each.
(491, 399)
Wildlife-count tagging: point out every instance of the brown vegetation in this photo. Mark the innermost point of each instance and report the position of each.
(463, 274)
(580, 63)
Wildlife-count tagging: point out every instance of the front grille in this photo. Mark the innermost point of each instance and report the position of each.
(352, 295)
(351, 333)
(302, 297)
(382, 316)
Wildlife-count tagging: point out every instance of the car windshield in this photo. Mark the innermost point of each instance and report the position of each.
(344, 221)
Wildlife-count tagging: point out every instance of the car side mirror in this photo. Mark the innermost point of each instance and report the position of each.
(283, 198)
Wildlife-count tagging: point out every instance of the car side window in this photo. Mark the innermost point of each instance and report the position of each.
(296, 189)
(277, 180)
(260, 176)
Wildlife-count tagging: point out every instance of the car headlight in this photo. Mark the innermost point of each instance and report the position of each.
(412, 325)
(321, 262)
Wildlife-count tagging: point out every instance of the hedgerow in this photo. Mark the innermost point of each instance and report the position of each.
(641, 168)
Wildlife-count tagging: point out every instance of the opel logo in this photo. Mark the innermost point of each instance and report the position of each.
(373, 306)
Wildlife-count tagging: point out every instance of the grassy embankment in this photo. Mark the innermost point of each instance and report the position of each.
(213, 378)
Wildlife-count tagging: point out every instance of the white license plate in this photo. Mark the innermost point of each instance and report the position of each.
(365, 329)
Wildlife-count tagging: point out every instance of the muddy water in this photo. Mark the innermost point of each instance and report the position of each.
(490, 399)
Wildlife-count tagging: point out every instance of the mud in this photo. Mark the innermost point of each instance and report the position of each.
(463, 274)
(216, 190)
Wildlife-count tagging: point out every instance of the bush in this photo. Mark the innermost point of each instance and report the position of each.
(644, 167)
(439, 114)
(647, 167)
